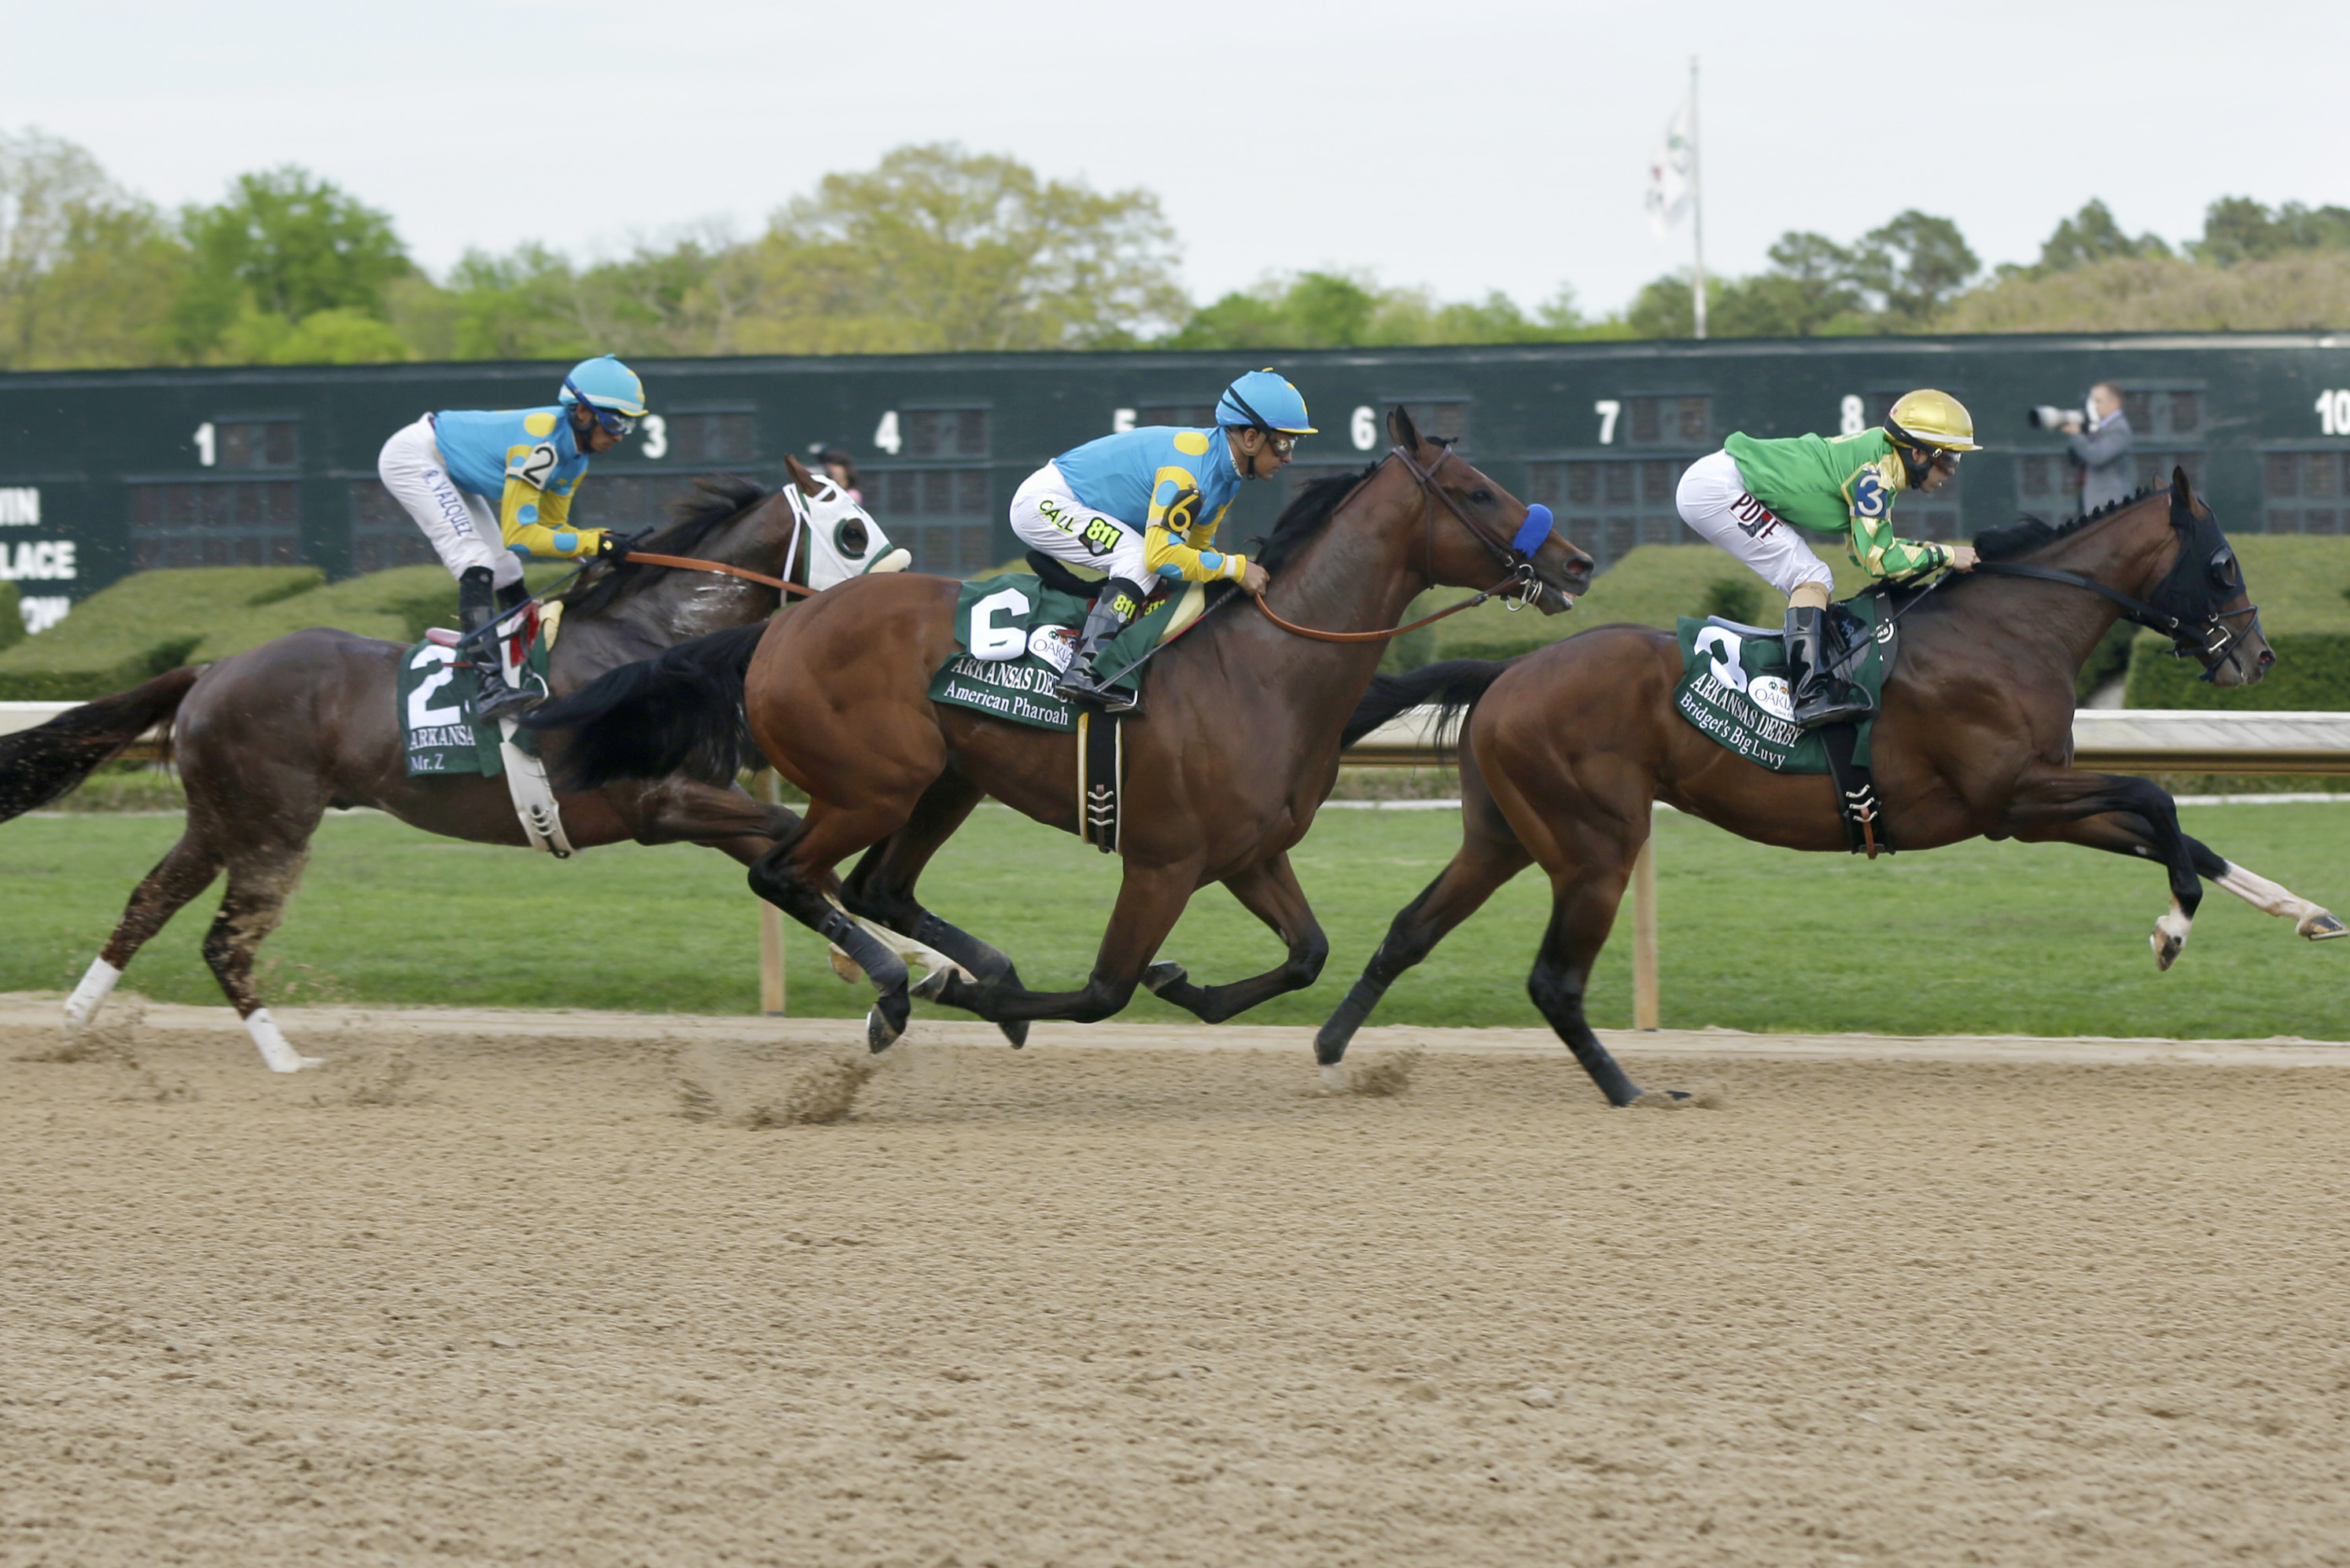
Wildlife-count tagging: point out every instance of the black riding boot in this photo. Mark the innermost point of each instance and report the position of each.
(1819, 697)
(477, 607)
(1113, 608)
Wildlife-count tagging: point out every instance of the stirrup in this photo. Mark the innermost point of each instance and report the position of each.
(1078, 684)
(1840, 703)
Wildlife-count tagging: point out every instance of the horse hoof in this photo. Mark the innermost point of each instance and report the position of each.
(929, 987)
(1159, 976)
(2321, 926)
(886, 1022)
(2166, 949)
(1333, 1078)
(846, 967)
(1016, 1031)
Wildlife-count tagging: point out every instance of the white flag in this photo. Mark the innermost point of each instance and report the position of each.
(1669, 173)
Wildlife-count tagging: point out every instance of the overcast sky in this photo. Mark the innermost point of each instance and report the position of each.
(1460, 144)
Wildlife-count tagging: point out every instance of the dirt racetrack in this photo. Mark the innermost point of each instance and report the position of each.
(509, 1290)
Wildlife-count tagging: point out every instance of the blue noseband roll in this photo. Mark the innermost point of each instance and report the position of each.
(1532, 531)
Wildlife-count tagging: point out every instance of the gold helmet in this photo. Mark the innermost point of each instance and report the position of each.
(1928, 418)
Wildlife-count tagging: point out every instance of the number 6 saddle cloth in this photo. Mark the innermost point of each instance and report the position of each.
(1017, 633)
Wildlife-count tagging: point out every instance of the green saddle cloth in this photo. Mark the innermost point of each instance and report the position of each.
(434, 706)
(1017, 634)
(1734, 688)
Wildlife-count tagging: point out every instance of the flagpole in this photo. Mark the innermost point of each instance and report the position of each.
(1697, 204)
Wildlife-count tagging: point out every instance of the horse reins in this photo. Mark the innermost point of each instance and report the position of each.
(689, 563)
(1518, 557)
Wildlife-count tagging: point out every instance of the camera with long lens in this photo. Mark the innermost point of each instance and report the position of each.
(2047, 418)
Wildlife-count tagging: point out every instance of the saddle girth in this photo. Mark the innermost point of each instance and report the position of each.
(1855, 793)
(1101, 778)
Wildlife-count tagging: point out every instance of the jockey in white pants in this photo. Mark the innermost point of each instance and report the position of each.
(1755, 498)
(1146, 503)
(489, 487)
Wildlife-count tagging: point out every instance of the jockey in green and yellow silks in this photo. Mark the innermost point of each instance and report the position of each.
(1146, 504)
(1752, 496)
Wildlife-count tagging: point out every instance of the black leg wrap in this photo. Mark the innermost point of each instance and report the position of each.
(891, 1005)
(1330, 1043)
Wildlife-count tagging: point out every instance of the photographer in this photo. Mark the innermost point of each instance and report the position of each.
(2103, 445)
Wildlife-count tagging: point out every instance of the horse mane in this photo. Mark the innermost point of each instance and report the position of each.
(1306, 517)
(2029, 532)
(714, 500)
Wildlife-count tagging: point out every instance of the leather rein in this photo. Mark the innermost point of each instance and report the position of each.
(1522, 586)
(689, 563)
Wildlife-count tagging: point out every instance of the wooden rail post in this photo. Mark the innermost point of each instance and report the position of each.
(1645, 1006)
(770, 922)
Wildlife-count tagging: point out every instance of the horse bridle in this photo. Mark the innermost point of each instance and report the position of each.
(1520, 588)
(2195, 623)
(1516, 557)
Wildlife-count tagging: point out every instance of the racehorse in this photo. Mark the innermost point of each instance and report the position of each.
(1236, 748)
(1564, 749)
(267, 740)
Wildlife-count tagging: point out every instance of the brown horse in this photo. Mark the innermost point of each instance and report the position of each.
(1236, 748)
(1565, 749)
(268, 739)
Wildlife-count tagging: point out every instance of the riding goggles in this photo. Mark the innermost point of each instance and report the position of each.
(614, 424)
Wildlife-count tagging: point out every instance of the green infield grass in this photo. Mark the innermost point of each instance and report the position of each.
(1982, 938)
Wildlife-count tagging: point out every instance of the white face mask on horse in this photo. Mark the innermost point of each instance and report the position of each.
(843, 540)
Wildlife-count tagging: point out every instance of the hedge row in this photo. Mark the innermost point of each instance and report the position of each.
(12, 617)
(154, 621)
(2312, 672)
(143, 625)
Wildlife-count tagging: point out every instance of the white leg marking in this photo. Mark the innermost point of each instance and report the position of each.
(917, 955)
(2265, 896)
(275, 1051)
(2169, 935)
(83, 1004)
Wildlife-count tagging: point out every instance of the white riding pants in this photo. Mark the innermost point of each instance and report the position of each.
(463, 527)
(1048, 517)
(1714, 500)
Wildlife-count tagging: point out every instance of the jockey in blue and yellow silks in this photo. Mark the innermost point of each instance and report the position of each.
(1146, 504)
(490, 486)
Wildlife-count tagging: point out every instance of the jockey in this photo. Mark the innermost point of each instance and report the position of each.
(490, 487)
(1751, 498)
(1147, 502)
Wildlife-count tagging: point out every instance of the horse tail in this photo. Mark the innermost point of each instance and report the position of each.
(1454, 685)
(39, 765)
(679, 711)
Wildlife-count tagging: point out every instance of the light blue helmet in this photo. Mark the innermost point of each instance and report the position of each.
(607, 385)
(1263, 400)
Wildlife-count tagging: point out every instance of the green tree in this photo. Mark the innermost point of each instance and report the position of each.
(286, 245)
(2239, 229)
(1342, 310)
(959, 250)
(88, 274)
(1911, 267)
(2091, 235)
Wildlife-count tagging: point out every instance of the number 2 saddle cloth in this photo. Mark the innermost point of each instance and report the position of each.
(434, 707)
(1733, 684)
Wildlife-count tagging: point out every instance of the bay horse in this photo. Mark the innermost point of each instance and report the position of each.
(1564, 749)
(1234, 749)
(268, 739)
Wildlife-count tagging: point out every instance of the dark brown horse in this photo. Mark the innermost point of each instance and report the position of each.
(1236, 747)
(268, 739)
(1564, 749)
